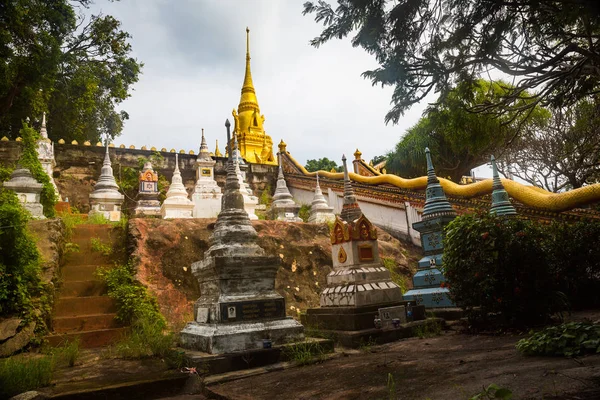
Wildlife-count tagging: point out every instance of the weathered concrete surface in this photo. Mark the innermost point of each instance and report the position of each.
(164, 251)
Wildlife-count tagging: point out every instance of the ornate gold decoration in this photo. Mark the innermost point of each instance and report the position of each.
(99, 144)
(4, 139)
(528, 195)
(153, 148)
(363, 229)
(132, 147)
(143, 148)
(122, 146)
(61, 141)
(148, 176)
(357, 154)
(73, 142)
(254, 144)
(217, 151)
(87, 143)
(339, 232)
(342, 256)
(282, 146)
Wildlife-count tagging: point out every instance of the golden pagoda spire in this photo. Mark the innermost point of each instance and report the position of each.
(248, 100)
(217, 151)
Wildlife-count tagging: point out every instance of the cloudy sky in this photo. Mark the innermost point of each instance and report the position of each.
(194, 55)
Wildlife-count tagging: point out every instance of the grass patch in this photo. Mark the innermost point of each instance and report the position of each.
(397, 278)
(427, 330)
(304, 212)
(146, 339)
(97, 219)
(18, 374)
(304, 353)
(103, 248)
(366, 347)
(66, 354)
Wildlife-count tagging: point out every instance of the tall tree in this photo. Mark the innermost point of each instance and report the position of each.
(561, 154)
(426, 46)
(58, 60)
(322, 164)
(460, 140)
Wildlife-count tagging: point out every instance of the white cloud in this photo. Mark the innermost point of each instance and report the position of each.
(194, 53)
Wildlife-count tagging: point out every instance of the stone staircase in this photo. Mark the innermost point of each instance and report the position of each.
(83, 308)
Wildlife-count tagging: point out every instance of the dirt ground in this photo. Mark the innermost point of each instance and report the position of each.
(450, 366)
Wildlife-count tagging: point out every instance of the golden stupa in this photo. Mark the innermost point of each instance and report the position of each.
(254, 144)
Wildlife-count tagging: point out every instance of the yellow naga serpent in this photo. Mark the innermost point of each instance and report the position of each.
(528, 195)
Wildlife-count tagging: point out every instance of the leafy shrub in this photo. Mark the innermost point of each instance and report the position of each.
(304, 212)
(29, 159)
(265, 196)
(499, 265)
(574, 258)
(134, 303)
(570, 339)
(19, 257)
(18, 374)
(98, 246)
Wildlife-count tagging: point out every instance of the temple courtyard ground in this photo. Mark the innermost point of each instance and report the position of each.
(450, 366)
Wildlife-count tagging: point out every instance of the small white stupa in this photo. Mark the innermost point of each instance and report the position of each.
(207, 193)
(320, 211)
(250, 200)
(177, 204)
(45, 150)
(106, 199)
(28, 191)
(283, 207)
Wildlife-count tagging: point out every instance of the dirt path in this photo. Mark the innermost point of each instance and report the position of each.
(451, 366)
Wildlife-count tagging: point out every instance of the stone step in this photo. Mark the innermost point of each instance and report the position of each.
(85, 256)
(82, 306)
(83, 288)
(72, 273)
(85, 323)
(89, 339)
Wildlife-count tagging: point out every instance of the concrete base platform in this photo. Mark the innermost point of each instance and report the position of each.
(243, 360)
(239, 336)
(350, 318)
(356, 339)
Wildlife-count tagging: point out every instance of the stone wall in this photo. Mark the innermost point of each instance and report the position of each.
(78, 167)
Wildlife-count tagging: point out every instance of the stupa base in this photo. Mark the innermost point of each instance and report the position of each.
(436, 297)
(239, 336)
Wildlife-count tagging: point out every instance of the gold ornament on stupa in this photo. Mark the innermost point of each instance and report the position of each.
(254, 145)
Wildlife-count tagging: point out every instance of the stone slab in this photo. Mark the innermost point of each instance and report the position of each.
(252, 310)
(243, 360)
(359, 338)
(239, 336)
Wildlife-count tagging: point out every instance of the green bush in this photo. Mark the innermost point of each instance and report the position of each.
(19, 257)
(18, 375)
(146, 339)
(134, 303)
(304, 212)
(571, 339)
(495, 265)
(574, 258)
(29, 159)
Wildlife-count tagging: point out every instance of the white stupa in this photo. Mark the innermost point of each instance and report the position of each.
(177, 204)
(283, 207)
(207, 193)
(250, 200)
(106, 199)
(320, 211)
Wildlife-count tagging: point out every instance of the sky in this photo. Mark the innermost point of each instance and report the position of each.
(194, 58)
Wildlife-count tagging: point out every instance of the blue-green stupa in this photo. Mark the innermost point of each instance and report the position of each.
(437, 213)
(501, 204)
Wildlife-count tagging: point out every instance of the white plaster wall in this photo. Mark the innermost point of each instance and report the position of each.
(388, 215)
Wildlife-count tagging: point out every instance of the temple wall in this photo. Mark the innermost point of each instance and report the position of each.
(78, 167)
(394, 218)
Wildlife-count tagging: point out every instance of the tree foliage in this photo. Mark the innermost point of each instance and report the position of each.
(76, 68)
(561, 154)
(427, 46)
(460, 140)
(322, 164)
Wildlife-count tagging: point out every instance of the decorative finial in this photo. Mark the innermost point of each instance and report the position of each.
(202, 133)
(43, 130)
(227, 124)
(436, 204)
(501, 204)
(247, 42)
(177, 161)
(317, 178)
(357, 154)
(282, 146)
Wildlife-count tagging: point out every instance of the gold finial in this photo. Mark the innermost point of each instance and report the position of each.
(282, 146)
(333, 170)
(247, 42)
(61, 141)
(87, 143)
(217, 151)
(4, 139)
(357, 154)
(99, 144)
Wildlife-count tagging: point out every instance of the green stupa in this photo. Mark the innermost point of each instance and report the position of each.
(501, 204)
